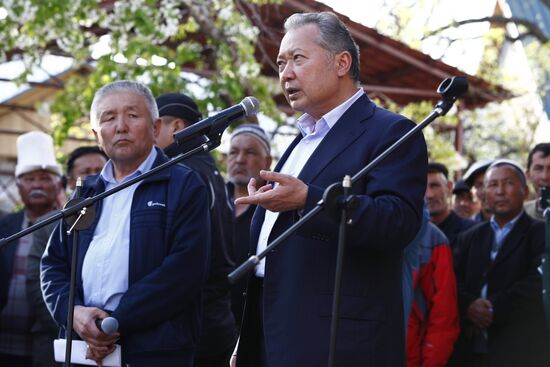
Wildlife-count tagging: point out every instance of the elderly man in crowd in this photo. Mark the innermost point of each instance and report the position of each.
(82, 162)
(38, 178)
(144, 260)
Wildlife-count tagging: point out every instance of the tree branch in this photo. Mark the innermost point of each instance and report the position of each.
(533, 29)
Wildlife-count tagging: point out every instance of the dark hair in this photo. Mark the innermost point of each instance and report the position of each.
(544, 148)
(79, 152)
(436, 167)
(335, 37)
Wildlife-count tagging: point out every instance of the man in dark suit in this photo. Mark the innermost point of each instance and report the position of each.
(287, 314)
(500, 295)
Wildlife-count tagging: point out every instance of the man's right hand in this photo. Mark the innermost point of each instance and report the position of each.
(480, 312)
(100, 344)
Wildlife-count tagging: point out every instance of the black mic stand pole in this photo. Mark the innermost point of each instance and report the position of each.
(544, 269)
(337, 201)
(84, 220)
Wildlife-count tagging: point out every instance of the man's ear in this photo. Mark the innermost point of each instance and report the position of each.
(179, 124)
(343, 63)
(156, 128)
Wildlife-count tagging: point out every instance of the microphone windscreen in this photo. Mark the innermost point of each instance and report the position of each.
(109, 325)
(251, 106)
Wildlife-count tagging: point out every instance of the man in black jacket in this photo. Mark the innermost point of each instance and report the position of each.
(500, 288)
(218, 335)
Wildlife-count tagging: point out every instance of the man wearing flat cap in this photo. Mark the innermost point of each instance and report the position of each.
(178, 111)
(38, 178)
(465, 203)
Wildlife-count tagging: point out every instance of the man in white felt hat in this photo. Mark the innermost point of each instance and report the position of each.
(38, 178)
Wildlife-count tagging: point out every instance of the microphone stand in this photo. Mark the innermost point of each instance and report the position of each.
(339, 203)
(545, 260)
(84, 220)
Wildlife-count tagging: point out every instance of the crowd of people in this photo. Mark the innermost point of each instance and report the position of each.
(436, 272)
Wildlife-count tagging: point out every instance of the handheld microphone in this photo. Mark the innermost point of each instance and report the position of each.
(216, 124)
(108, 325)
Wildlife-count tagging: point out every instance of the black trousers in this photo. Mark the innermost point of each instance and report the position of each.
(252, 351)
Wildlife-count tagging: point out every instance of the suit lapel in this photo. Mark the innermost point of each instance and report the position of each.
(485, 245)
(346, 130)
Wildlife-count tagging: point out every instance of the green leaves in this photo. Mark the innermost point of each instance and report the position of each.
(146, 40)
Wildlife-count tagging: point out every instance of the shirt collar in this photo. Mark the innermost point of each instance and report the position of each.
(509, 225)
(107, 173)
(307, 124)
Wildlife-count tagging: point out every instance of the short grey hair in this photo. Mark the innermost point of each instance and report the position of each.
(124, 86)
(335, 37)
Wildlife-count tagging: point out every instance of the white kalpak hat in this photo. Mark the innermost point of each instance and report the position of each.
(35, 152)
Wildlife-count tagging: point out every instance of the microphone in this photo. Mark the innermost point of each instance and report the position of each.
(108, 325)
(215, 125)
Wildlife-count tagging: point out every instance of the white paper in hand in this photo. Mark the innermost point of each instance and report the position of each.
(78, 354)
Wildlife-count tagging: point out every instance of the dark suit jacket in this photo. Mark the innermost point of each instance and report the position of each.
(9, 225)
(518, 335)
(299, 280)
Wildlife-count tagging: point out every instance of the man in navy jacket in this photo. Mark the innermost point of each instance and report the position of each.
(144, 260)
(287, 314)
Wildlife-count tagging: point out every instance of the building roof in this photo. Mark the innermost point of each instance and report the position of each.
(389, 68)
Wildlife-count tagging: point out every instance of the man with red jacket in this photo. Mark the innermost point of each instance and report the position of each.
(433, 325)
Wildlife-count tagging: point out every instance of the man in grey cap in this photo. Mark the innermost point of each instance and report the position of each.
(178, 111)
(249, 153)
(474, 177)
(38, 178)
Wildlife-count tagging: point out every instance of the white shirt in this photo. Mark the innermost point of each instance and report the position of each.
(313, 134)
(105, 268)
